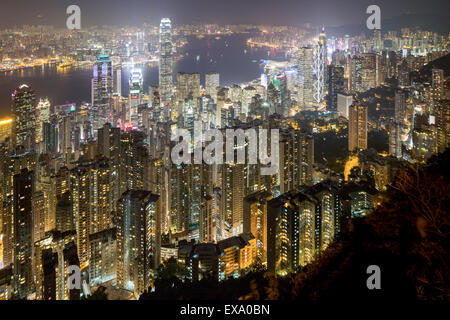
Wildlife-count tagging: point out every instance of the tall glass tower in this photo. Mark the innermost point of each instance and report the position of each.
(165, 60)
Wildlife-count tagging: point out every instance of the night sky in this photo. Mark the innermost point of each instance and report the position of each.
(276, 12)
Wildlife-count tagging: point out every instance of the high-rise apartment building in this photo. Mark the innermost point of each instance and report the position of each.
(138, 239)
(357, 127)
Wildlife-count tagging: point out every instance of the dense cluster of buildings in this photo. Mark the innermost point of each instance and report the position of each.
(94, 186)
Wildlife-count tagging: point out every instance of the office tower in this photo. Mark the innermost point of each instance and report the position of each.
(138, 239)
(135, 96)
(357, 127)
(165, 61)
(320, 58)
(102, 256)
(400, 107)
(24, 128)
(356, 82)
(23, 232)
(188, 83)
(395, 141)
(305, 78)
(53, 254)
(343, 103)
(296, 159)
(102, 84)
(369, 68)
(42, 116)
(336, 85)
(255, 220)
(50, 137)
(235, 255)
(211, 84)
(442, 113)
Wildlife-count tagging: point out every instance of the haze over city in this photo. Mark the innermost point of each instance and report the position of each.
(246, 151)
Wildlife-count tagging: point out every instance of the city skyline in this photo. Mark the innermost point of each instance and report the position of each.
(175, 160)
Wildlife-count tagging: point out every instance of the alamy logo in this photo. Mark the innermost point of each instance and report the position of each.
(254, 142)
(374, 281)
(374, 20)
(74, 280)
(74, 19)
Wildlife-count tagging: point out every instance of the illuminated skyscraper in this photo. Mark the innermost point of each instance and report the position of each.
(24, 128)
(357, 127)
(320, 58)
(395, 142)
(138, 239)
(102, 83)
(356, 84)
(42, 116)
(165, 61)
(23, 232)
(135, 97)
(437, 86)
(369, 67)
(255, 220)
(442, 112)
(305, 78)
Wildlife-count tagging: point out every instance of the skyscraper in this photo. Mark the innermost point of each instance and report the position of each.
(335, 81)
(187, 83)
(24, 128)
(165, 61)
(135, 96)
(400, 106)
(42, 116)
(102, 83)
(356, 84)
(320, 58)
(23, 229)
(211, 84)
(442, 112)
(138, 239)
(357, 127)
(305, 78)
